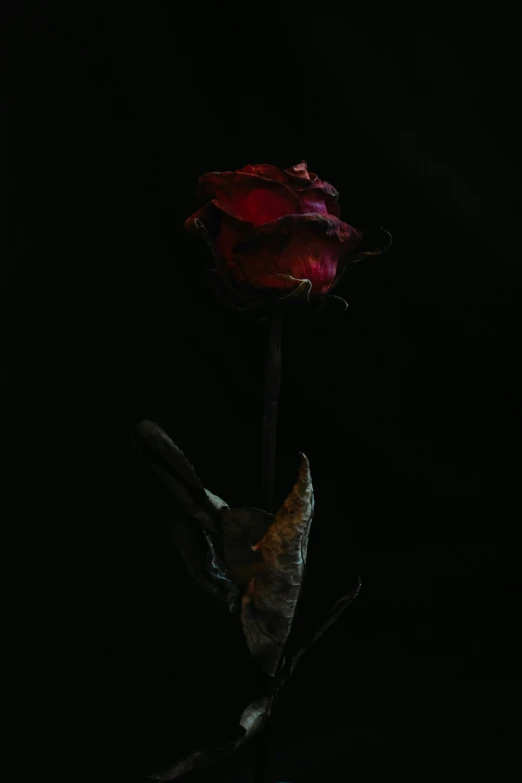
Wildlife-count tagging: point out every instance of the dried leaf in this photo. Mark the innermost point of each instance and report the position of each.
(197, 550)
(193, 508)
(155, 436)
(252, 722)
(216, 501)
(252, 719)
(216, 572)
(194, 524)
(242, 529)
(268, 606)
(179, 476)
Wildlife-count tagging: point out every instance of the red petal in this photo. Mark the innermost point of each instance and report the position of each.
(265, 170)
(316, 200)
(300, 179)
(314, 194)
(300, 170)
(249, 197)
(304, 246)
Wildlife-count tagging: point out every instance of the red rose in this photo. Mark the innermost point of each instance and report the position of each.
(274, 229)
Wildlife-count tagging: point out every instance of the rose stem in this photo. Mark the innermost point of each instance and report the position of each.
(271, 405)
(271, 408)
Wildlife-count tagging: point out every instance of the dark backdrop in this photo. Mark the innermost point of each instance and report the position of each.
(407, 405)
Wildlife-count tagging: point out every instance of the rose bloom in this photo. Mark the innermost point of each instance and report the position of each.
(274, 229)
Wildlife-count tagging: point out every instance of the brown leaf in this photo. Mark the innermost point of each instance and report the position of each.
(242, 529)
(177, 473)
(272, 594)
(193, 522)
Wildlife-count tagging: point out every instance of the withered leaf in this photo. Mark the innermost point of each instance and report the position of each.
(197, 550)
(243, 528)
(251, 722)
(269, 604)
(252, 718)
(193, 522)
(178, 475)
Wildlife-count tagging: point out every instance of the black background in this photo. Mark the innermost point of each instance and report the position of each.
(407, 405)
